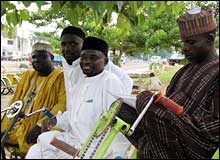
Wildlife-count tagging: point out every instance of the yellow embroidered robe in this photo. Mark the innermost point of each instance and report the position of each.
(51, 94)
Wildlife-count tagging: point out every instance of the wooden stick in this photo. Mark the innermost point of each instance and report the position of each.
(64, 147)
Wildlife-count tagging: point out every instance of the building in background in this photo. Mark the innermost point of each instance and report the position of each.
(17, 47)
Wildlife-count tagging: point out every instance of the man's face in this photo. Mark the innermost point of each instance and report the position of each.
(42, 61)
(71, 47)
(92, 62)
(196, 48)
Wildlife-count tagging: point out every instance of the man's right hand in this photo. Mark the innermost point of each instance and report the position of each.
(48, 124)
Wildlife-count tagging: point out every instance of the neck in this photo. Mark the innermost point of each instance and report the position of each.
(210, 57)
(47, 72)
(213, 55)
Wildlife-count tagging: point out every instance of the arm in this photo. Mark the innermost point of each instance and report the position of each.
(60, 104)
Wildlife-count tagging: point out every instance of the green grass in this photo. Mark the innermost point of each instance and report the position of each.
(166, 76)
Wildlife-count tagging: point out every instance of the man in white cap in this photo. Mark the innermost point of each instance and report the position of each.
(42, 86)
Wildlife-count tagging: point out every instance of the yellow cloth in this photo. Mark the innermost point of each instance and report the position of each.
(50, 93)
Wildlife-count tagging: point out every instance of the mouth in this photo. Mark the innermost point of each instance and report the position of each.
(86, 69)
(69, 56)
(188, 55)
(37, 65)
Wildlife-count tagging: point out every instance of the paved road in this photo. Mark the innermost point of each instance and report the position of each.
(138, 67)
(130, 67)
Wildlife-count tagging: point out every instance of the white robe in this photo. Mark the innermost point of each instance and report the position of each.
(122, 75)
(74, 70)
(90, 101)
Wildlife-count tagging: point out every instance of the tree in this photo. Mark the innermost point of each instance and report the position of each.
(142, 26)
(50, 37)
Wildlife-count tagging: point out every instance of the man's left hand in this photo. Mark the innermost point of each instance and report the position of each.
(33, 135)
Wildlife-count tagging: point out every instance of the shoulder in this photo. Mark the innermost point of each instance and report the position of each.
(112, 67)
(57, 73)
(29, 72)
(58, 70)
(109, 75)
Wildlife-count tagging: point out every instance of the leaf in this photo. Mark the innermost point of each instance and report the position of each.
(120, 4)
(26, 3)
(79, 10)
(169, 3)
(141, 20)
(6, 6)
(73, 19)
(147, 4)
(56, 6)
(133, 5)
(123, 24)
(39, 3)
(24, 14)
(176, 8)
(95, 5)
(8, 18)
(161, 8)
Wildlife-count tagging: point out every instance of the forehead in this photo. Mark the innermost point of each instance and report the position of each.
(40, 53)
(194, 37)
(71, 38)
(90, 52)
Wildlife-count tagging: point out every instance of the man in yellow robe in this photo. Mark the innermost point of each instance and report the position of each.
(42, 86)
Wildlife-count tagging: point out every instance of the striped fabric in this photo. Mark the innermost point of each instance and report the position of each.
(193, 24)
(195, 134)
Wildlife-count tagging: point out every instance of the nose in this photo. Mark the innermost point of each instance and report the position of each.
(34, 59)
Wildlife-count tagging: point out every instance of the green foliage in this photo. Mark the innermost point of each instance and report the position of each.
(50, 37)
(142, 26)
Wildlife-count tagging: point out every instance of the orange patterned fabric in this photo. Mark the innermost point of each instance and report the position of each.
(193, 24)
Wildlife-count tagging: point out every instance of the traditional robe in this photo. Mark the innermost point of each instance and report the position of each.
(92, 97)
(74, 70)
(50, 93)
(192, 135)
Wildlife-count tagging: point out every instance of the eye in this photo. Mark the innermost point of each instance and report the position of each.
(74, 43)
(63, 44)
(93, 58)
(34, 56)
(191, 42)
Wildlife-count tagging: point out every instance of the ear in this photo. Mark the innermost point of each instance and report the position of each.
(211, 38)
(52, 56)
(106, 60)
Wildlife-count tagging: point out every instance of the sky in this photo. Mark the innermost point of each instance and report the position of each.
(27, 28)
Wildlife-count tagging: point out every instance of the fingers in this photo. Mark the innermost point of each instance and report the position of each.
(33, 134)
(48, 124)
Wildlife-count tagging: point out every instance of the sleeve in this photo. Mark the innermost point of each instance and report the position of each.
(120, 144)
(20, 87)
(112, 86)
(61, 99)
(63, 120)
(192, 130)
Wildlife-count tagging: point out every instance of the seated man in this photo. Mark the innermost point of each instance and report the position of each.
(71, 40)
(93, 97)
(40, 87)
(194, 134)
(153, 83)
